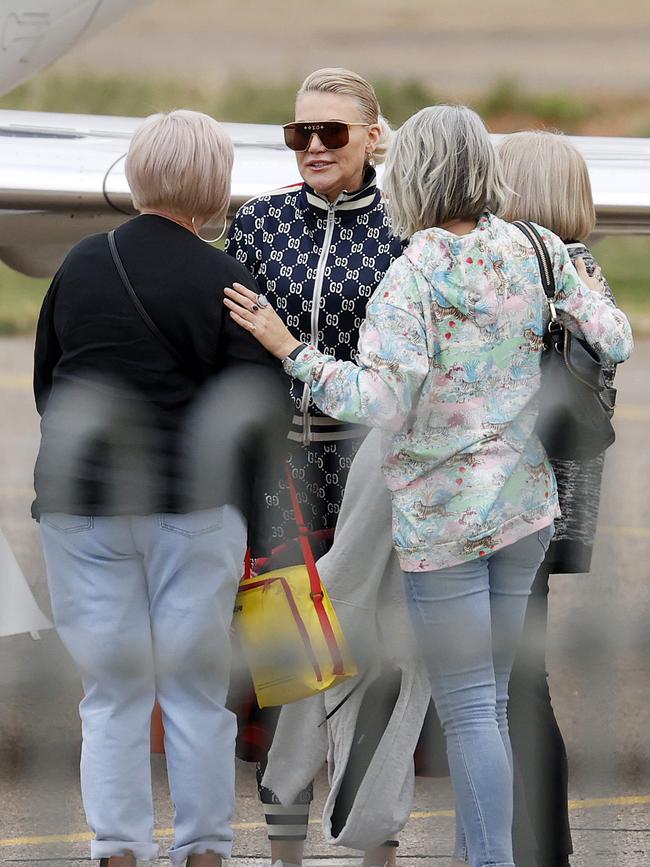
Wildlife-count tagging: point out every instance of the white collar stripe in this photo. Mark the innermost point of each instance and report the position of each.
(345, 204)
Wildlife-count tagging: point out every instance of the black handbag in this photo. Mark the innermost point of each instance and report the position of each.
(575, 404)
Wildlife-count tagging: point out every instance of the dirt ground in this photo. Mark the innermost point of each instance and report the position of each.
(458, 46)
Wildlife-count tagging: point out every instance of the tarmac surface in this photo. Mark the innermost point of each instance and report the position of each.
(599, 665)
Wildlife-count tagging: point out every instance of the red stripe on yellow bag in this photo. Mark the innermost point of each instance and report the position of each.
(289, 631)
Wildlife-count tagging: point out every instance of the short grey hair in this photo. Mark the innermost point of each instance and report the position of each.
(181, 162)
(441, 166)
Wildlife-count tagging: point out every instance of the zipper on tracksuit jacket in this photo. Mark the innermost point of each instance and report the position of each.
(315, 312)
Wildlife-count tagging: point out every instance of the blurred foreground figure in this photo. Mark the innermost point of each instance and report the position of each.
(144, 543)
(18, 609)
(549, 183)
(448, 364)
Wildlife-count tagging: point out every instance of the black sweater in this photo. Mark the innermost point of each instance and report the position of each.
(119, 413)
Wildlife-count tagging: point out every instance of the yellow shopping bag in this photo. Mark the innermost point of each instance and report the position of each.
(289, 631)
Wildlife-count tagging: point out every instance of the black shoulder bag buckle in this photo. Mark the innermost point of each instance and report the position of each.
(576, 406)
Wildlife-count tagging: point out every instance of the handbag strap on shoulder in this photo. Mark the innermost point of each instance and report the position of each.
(148, 321)
(543, 259)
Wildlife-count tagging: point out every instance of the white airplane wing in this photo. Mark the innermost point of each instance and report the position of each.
(62, 177)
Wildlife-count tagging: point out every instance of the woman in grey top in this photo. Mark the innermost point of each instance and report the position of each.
(549, 184)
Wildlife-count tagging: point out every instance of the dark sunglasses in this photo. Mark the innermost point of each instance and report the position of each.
(333, 134)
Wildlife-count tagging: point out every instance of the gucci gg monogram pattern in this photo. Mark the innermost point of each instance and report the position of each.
(318, 263)
(319, 472)
(279, 237)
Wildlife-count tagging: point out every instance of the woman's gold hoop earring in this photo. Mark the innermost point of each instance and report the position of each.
(211, 240)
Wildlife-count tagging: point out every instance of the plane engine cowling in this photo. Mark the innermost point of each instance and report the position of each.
(35, 33)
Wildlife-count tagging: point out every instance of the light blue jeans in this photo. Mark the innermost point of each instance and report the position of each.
(469, 619)
(144, 605)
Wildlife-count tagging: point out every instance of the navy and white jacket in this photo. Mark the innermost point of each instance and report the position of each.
(318, 263)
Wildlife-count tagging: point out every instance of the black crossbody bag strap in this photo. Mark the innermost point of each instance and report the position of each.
(148, 321)
(543, 256)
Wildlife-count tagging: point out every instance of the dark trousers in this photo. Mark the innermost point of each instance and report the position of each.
(542, 837)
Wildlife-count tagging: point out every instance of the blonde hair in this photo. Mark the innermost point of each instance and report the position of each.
(549, 183)
(344, 82)
(441, 167)
(181, 162)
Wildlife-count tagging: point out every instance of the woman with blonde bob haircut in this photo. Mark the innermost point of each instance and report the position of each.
(180, 163)
(449, 366)
(548, 182)
(143, 570)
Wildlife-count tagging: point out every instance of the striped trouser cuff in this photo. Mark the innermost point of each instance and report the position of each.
(286, 823)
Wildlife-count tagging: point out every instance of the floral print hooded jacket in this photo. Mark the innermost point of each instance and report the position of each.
(449, 363)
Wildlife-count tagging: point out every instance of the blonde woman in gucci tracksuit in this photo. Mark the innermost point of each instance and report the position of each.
(318, 250)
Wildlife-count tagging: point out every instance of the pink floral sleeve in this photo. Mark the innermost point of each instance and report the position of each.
(380, 389)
